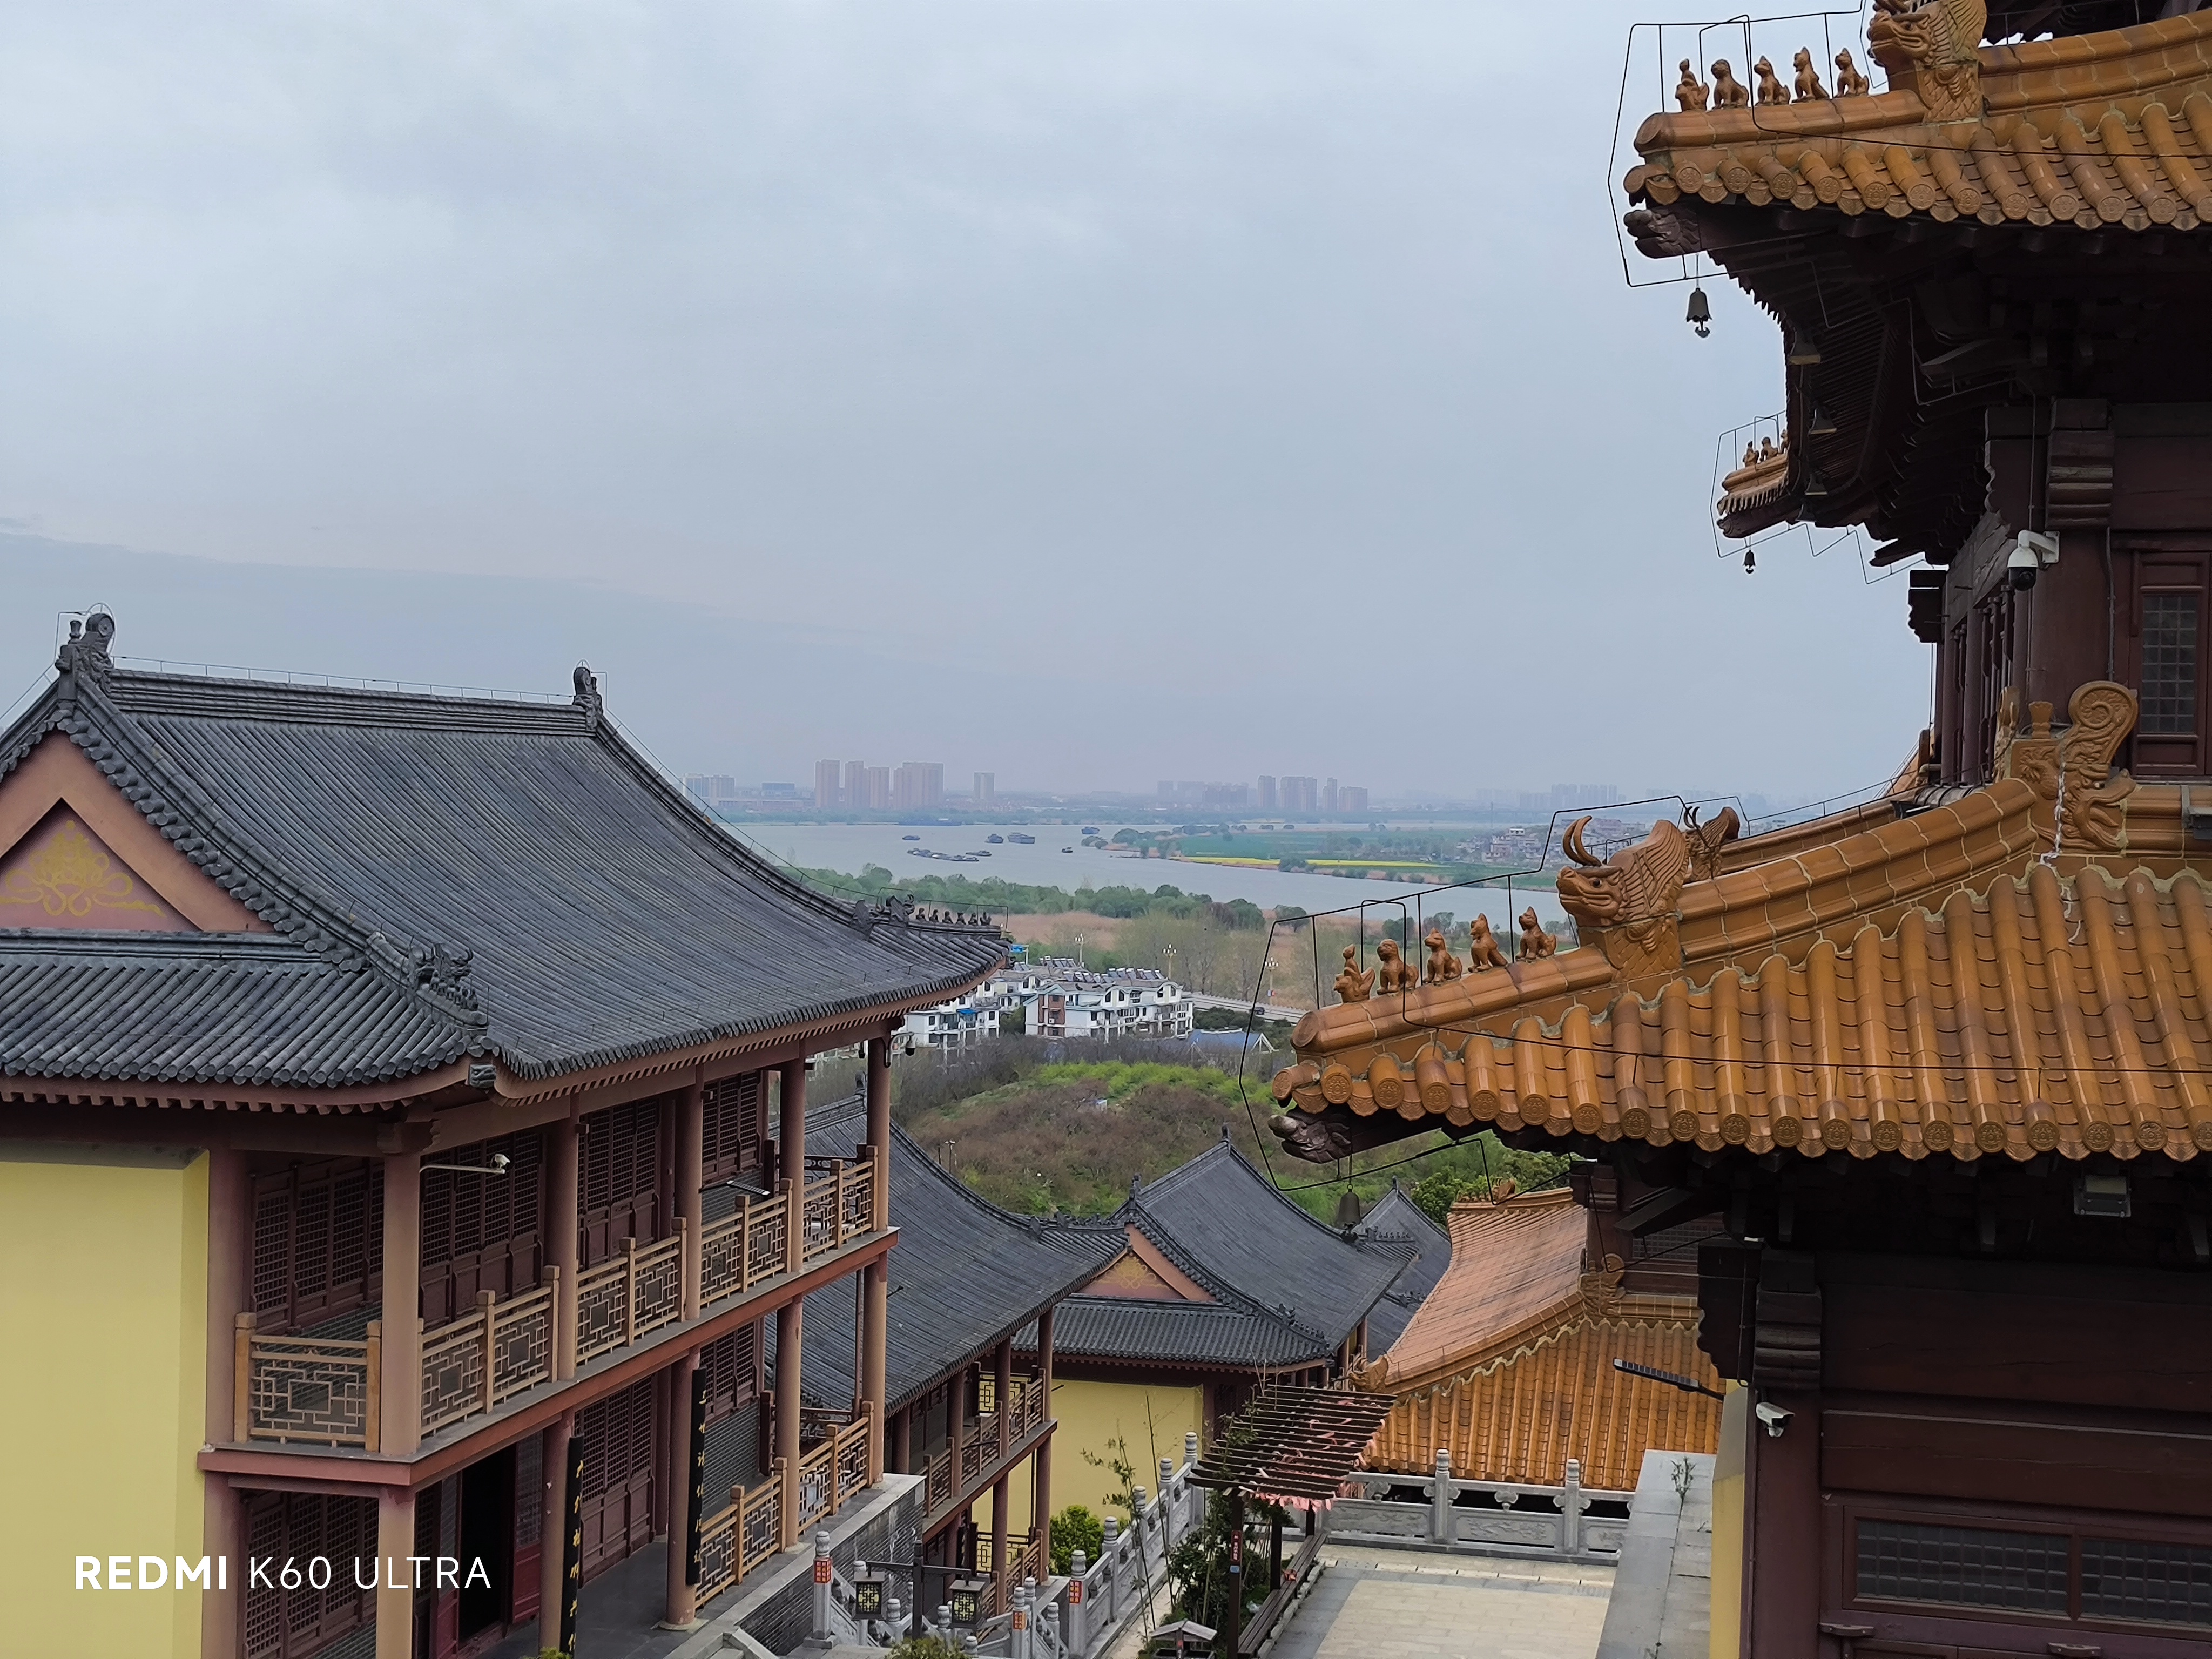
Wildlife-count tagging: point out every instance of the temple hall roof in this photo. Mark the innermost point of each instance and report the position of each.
(1397, 1216)
(965, 1275)
(1974, 978)
(1246, 1277)
(434, 877)
(2108, 128)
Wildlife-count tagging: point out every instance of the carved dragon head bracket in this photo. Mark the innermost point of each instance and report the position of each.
(2072, 769)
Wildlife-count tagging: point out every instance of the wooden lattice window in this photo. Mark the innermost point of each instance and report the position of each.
(620, 1172)
(2166, 636)
(731, 1128)
(480, 1233)
(305, 1528)
(318, 1242)
(733, 1373)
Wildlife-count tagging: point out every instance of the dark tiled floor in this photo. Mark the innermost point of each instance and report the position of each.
(615, 1616)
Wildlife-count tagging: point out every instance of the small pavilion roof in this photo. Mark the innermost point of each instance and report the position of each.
(1515, 1265)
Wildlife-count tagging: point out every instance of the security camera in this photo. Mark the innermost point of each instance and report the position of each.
(500, 1161)
(1772, 1419)
(2032, 554)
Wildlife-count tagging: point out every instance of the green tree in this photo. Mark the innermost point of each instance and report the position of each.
(1076, 1529)
(1437, 1193)
(924, 1647)
(1117, 1463)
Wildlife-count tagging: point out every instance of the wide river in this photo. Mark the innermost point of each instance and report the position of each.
(849, 847)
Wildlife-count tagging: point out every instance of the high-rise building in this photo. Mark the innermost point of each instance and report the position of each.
(1329, 798)
(985, 792)
(1267, 794)
(1300, 795)
(918, 784)
(878, 789)
(1581, 797)
(1352, 801)
(825, 785)
(856, 783)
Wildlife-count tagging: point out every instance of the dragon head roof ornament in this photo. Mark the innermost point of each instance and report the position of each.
(1933, 50)
(1626, 904)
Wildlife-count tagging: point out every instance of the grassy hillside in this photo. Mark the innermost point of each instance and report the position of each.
(1039, 1135)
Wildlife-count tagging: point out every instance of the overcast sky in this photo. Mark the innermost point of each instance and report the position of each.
(1092, 393)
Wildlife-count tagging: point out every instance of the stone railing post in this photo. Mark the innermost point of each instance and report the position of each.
(1078, 1566)
(1190, 1448)
(1111, 1557)
(822, 1634)
(1167, 1502)
(1440, 1499)
(1571, 1504)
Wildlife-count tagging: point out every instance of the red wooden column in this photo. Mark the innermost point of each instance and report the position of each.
(395, 1573)
(1040, 1460)
(561, 1240)
(683, 1611)
(879, 1125)
(791, 1163)
(1003, 1387)
(400, 1405)
(875, 1324)
(553, 1524)
(691, 1154)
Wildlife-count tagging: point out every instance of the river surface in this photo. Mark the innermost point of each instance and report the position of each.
(850, 846)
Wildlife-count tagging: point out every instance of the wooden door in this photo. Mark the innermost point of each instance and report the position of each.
(482, 1232)
(305, 1529)
(617, 1508)
(529, 1522)
(620, 1173)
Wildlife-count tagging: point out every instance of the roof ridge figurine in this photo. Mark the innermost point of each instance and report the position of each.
(1692, 94)
(1483, 951)
(1728, 92)
(1352, 985)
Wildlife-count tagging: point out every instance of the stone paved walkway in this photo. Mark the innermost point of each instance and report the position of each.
(1410, 1604)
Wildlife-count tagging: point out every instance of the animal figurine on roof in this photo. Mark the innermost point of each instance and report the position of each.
(1634, 890)
(1535, 943)
(1706, 840)
(1770, 89)
(1850, 83)
(1809, 89)
(1351, 985)
(1728, 92)
(1443, 966)
(1690, 93)
(1482, 947)
(1392, 971)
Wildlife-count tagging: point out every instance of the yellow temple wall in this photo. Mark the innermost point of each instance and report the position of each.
(103, 1295)
(1153, 1420)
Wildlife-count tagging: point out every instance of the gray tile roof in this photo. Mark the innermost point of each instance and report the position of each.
(447, 876)
(1287, 1290)
(1397, 1217)
(964, 1275)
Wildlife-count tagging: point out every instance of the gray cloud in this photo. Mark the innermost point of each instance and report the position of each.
(1265, 369)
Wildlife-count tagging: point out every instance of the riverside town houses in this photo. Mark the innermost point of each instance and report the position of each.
(406, 1154)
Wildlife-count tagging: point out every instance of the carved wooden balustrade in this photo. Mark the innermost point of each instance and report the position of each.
(832, 1472)
(750, 1244)
(736, 1541)
(483, 1357)
(838, 1204)
(638, 1289)
(322, 1390)
(987, 1441)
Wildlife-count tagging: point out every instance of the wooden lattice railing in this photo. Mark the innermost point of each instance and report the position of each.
(760, 1523)
(1024, 1560)
(984, 1444)
(480, 1358)
(749, 1244)
(323, 1390)
(838, 1206)
(638, 1289)
(832, 1472)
